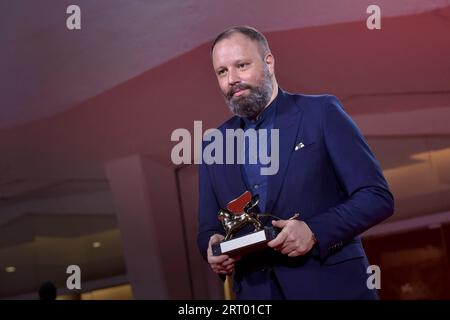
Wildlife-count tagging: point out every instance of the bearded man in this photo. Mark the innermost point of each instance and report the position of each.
(327, 173)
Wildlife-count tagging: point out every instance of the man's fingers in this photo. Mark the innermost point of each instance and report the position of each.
(293, 253)
(225, 267)
(217, 259)
(279, 223)
(215, 238)
(227, 270)
(222, 264)
(287, 249)
(230, 268)
(228, 262)
(281, 237)
(222, 269)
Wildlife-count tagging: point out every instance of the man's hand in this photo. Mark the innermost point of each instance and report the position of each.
(295, 238)
(222, 264)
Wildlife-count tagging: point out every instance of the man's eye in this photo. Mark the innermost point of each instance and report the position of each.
(221, 72)
(242, 65)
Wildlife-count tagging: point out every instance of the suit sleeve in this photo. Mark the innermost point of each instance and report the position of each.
(369, 200)
(208, 224)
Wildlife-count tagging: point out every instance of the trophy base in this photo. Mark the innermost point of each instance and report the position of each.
(246, 244)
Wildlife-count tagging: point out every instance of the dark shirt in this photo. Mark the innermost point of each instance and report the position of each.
(255, 182)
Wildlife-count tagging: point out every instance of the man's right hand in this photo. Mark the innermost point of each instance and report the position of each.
(222, 264)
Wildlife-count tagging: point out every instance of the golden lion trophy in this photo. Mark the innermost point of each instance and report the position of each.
(237, 214)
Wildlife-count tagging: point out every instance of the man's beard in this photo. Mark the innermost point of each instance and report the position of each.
(250, 105)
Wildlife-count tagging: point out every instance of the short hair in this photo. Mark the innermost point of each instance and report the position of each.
(247, 31)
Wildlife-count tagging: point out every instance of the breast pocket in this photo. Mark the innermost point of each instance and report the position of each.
(304, 148)
(304, 164)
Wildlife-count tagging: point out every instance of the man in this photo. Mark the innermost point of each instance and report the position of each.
(327, 173)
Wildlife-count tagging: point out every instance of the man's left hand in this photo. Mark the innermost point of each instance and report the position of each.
(295, 238)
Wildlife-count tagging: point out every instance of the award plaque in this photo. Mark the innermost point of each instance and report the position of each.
(234, 217)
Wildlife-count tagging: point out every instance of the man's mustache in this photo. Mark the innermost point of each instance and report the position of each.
(236, 88)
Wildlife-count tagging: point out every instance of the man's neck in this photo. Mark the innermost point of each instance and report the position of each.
(274, 93)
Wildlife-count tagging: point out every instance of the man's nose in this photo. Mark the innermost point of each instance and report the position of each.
(233, 77)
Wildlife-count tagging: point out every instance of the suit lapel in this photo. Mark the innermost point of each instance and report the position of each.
(287, 120)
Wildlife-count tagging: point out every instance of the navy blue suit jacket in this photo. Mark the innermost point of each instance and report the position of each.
(334, 182)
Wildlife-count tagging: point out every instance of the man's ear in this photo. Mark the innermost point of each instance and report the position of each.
(270, 61)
